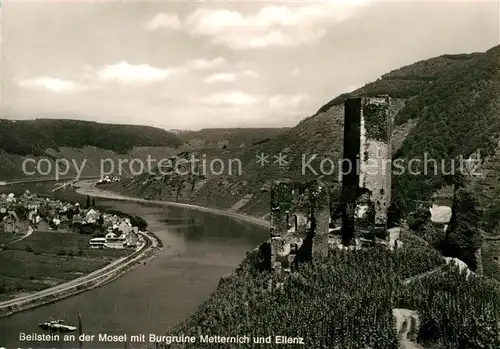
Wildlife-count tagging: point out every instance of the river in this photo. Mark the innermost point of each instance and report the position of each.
(200, 247)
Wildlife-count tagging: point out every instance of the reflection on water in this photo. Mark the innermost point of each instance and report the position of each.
(200, 248)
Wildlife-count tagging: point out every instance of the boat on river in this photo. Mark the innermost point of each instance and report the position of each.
(57, 326)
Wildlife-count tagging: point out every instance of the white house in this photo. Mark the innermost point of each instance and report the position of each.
(97, 242)
(441, 214)
(10, 198)
(92, 216)
(114, 241)
(132, 239)
(124, 227)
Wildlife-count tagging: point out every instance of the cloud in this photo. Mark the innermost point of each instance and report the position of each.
(250, 74)
(51, 84)
(205, 64)
(123, 72)
(220, 77)
(282, 101)
(230, 77)
(231, 98)
(127, 72)
(273, 25)
(276, 102)
(164, 21)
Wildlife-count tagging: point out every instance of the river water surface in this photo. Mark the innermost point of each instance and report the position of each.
(200, 247)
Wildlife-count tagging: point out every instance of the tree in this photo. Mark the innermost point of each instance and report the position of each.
(463, 237)
(418, 218)
(21, 211)
(70, 213)
(87, 205)
(139, 223)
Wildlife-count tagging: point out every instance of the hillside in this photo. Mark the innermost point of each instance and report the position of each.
(55, 133)
(228, 138)
(456, 116)
(80, 142)
(349, 300)
(435, 103)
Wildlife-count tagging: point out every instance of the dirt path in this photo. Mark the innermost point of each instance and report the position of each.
(406, 320)
(28, 233)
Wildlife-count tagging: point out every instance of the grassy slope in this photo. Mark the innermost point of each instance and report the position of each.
(45, 259)
(77, 141)
(91, 158)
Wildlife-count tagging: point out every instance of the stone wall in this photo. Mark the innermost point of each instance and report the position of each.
(375, 154)
(366, 189)
(300, 215)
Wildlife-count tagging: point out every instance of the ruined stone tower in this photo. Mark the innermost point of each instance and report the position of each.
(366, 167)
(299, 214)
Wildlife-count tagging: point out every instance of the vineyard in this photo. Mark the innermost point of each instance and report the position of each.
(346, 301)
(459, 312)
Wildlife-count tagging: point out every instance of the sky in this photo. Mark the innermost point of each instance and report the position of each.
(206, 64)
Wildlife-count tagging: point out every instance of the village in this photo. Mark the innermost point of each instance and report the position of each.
(28, 213)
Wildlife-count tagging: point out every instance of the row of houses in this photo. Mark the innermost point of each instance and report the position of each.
(119, 234)
(35, 210)
(51, 214)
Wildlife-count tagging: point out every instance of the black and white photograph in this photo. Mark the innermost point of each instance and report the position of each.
(250, 174)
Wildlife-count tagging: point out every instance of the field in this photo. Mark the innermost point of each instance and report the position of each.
(8, 238)
(45, 259)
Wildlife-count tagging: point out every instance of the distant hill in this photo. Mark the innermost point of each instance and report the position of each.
(79, 141)
(228, 138)
(54, 133)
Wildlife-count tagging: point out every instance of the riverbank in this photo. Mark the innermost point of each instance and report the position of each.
(88, 187)
(151, 248)
(116, 269)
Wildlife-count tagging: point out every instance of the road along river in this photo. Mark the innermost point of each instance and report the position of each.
(200, 247)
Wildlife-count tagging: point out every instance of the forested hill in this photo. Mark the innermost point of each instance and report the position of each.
(458, 114)
(34, 137)
(409, 81)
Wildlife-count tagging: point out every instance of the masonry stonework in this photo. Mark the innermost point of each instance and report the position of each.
(300, 215)
(366, 172)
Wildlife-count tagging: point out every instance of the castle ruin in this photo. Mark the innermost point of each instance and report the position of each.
(301, 212)
(300, 215)
(366, 167)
